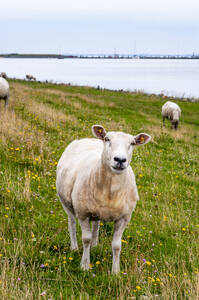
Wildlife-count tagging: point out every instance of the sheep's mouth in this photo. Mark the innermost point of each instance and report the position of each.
(118, 168)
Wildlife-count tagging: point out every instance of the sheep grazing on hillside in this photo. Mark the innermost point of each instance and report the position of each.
(30, 77)
(171, 111)
(96, 182)
(4, 75)
(4, 90)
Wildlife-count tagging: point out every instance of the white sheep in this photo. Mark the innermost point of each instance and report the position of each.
(4, 90)
(30, 77)
(171, 111)
(96, 182)
(4, 75)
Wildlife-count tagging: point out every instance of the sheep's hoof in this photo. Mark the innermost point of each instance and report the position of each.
(115, 271)
(85, 266)
(94, 244)
(75, 248)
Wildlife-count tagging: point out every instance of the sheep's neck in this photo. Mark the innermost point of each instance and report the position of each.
(107, 181)
(175, 116)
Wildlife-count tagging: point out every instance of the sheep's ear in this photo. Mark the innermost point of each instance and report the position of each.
(98, 131)
(142, 139)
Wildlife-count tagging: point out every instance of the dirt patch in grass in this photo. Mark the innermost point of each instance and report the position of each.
(19, 131)
(51, 116)
(185, 133)
(63, 95)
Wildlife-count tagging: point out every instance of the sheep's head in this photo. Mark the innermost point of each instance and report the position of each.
(175, 124)
(118, 147)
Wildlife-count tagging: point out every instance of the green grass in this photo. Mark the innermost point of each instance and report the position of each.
(159, 258)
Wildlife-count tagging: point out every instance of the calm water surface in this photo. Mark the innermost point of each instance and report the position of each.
(171, 77)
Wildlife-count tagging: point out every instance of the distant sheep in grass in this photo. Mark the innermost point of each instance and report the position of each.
(4, 90)
(3, 75)
(171, 111)
(30, 77)
(96, 182)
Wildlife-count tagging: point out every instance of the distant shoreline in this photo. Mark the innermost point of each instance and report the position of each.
(98, 88)
(103, 56)
(174, 77)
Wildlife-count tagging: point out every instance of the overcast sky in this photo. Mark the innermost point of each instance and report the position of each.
(99, 26)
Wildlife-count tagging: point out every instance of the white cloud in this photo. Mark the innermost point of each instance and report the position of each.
(99, 25)
(178, 9)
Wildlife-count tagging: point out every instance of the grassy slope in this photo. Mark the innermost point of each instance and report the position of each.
(160, 246)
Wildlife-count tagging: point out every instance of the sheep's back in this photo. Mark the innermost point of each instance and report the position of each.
(77, 160)
(4, 87)
(81, 152)
(169, 109)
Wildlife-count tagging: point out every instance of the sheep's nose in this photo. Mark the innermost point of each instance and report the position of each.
(119, 160)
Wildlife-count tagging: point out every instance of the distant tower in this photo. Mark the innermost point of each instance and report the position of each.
(178, 48)
(115, 53)
(134, 49)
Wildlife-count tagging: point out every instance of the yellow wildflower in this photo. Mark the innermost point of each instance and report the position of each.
(158, 279)
(125, 242)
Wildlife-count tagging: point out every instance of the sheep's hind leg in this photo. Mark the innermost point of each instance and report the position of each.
(71, 228)
(95, 233)
(72, 231)
(6, 101)
(86, 239)
(116, 243)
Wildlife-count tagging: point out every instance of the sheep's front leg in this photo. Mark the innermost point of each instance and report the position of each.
(116, 243)
(95, 233)
(163, 120)
(86, 239)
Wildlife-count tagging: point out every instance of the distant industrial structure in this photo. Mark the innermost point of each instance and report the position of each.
(102, 56)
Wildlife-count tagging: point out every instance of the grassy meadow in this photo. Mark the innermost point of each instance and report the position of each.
(160, 247)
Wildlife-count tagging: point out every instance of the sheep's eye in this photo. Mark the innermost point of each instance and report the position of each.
(133, 143)
(107, 139)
